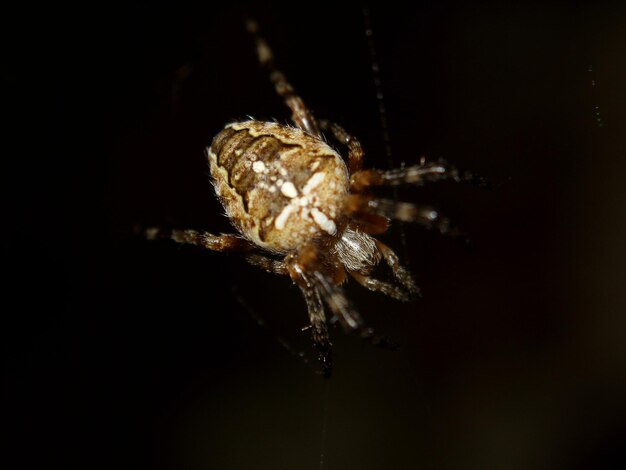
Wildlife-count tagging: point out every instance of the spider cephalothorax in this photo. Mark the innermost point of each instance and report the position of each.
(304, 212)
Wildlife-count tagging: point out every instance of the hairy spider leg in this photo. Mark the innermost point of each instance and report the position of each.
(376, 285)
(326, 279)
(348, 317)
(311, 294)
(419, 174)
(355, 150)
(300, 114)
(267, 264)
(317, 317)
(364, 207)
(223, 242)
(400, 272)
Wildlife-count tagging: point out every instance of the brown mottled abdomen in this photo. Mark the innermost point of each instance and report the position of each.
(280, 186)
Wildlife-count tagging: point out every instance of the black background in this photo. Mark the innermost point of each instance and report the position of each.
(118, 352)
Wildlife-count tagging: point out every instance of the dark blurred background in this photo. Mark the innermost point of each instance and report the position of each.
(123, 353)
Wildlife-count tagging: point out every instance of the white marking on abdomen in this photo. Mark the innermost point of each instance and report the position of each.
(282, 218)
(258, 166)
(323, 221)
(289, 190)
(313, 182)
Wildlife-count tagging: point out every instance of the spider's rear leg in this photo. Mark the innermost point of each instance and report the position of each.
(300, 114)
(223, 242)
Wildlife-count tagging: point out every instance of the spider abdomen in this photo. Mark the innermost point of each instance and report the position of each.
(280, 186)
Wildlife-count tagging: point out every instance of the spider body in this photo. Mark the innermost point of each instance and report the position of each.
(303, 211)
(280, 186)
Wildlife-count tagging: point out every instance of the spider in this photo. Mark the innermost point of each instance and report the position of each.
(302, 211)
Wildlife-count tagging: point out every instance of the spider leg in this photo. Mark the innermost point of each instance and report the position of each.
(369, 223)
(327, 279)
(270, 265)
(416, 174)
(355, 151)
(364, 208)
(319, 330)
(376, 285)
(224, 242)
(400, 272)
(317, 317)
(300, 114)
(350, 319)
(343, 310)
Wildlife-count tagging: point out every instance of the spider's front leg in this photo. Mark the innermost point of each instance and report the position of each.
(320, 279)
(419, 174)
(366, 208)
(317, 317)
(294, 268)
